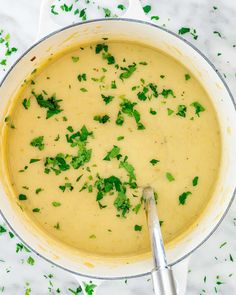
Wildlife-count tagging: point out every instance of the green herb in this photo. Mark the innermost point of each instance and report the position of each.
(122, 203)
(67, 185)
(113, 84)
(83, 89)
(217, 33)
(83, 14)
(92, 237)
(128, 71)
(78, 178)
(20, 247)
(77, 291)
(101, 47)
(120, 138)
(107, 12)
(187, 77)
(182, 109)
(195, 181)
(130, 171)
(155, 17)
(66, 8)
(183, 31)
(38, 190)
(34, 160)
(167, 92)
(223, 244)
(36, 210)
(198, 108)
(51, 104)
(101, 119)
(113, 153)
(26, 103)
(107, 99)
(137, 227)
(2, 230)
(82, 77)
(110, 59)
(152, 111)
(56, 164)
(22, 197)
(169, 111)
(38, 142)
(137, 208)
(56, 204)
(147, 9)
(154, 162)
(119, 119)
(89, 288)
(183, 197)
(3, 62)
(169, 176)
(121, 7)
(75, 58)
(143, 63)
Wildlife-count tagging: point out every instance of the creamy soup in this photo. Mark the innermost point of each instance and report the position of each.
(96, 124)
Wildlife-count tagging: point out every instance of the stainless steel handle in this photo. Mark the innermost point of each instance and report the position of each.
(163, 282)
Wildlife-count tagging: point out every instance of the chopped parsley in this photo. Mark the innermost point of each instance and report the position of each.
(89, 288)
(38, 142)
(36, 210)
(147, 9)
(38, 190)
(51, 104)
(113, 153)
(101, 119)
(107, 12)
(155, 17)
(34, 161)
(82, 77)
(2, 229)
(137, 208)
(30, 260)
(26, 103)
(182, 109)
(128, 71)
(56, 164)
(183, 30)
(183, 197)
(169, 176)
(113, 84)
(167, 92)
(187, 77)
(170, 111)
(152, 111)
(83, 89)
(22, 197)
(198, 108)
(56, 204)
(107, 98)
(137, 227)
(67, 185)
(75, 58)
(195, 181)
(154, 162)
(120, 138)
(121, 7)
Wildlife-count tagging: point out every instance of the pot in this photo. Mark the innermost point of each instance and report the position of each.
(127, 28)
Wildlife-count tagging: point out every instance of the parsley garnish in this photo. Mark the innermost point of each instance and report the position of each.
(195, 181)
(38, 142)
(36, 210)
(89, 288)
(183, 31)
(82, 77)
(101, 119)
(83, 89)
(187, 77)
(75, 58)
(56, 204)
(137, 208)
(107, 12)
(51, 103)
(56, 164)
(34, 160)
(152, 111)
(121, 7)
(137, 227)
(113, 84)
(128, 71)
(183, 197)
(26, 103)
(169, 176)
(113, 153)
(169, 111)
(30, 260)
(167, 92)
(67, 185)
(38, 190)
(120, 138)
(107, 99)
(147, 9)
(182, 109)
(198, 108)
(154, 162)
(22, 197)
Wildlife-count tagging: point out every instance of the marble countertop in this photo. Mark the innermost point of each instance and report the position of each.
(212, 268)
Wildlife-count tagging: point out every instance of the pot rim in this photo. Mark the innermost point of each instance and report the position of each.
(212, 67)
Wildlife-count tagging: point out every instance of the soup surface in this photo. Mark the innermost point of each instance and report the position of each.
(96, 124)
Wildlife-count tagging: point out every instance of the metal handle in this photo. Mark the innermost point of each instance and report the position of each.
(163, 281)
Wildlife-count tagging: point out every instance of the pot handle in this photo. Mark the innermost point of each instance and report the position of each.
(47, 25)
(93, 284)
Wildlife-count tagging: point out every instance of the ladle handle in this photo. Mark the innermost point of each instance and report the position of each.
(163, 281)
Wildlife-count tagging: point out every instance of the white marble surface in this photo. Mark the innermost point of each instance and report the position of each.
(20, 19)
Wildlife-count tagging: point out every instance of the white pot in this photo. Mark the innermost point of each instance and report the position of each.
(198, 64)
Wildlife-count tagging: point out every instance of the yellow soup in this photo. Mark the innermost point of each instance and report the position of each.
(94, 126)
